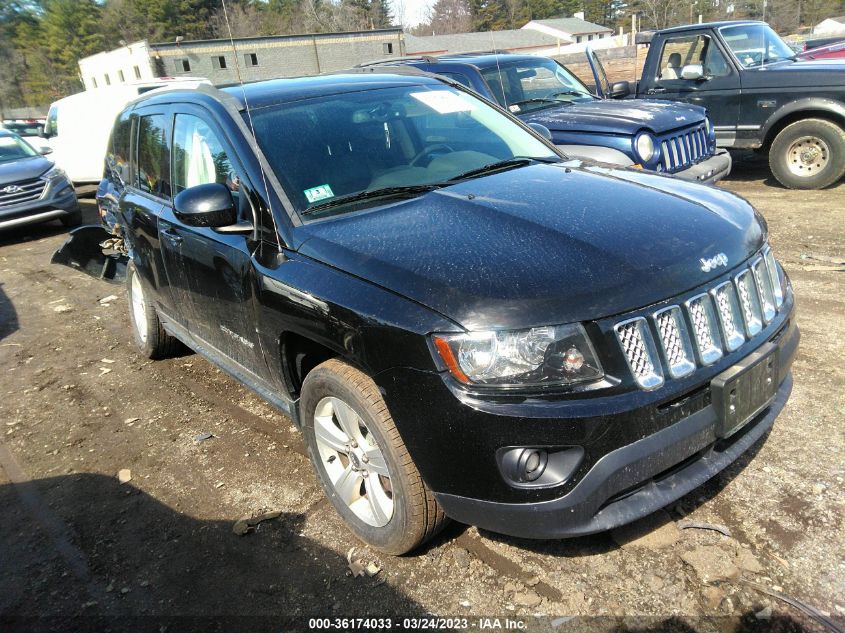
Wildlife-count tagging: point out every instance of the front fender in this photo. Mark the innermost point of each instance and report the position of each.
(811, 105)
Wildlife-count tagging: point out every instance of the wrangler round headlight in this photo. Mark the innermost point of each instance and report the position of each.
(549, 355)
(711, 131)
(645, 146)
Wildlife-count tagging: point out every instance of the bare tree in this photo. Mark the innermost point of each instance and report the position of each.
(446, 17)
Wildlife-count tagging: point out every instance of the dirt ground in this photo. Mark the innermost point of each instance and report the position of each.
(78, 405)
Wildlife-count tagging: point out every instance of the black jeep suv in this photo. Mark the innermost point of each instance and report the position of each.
(462, 322)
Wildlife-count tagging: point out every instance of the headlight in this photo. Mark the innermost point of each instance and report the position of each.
(55, 173)
(711, 131)
(645, 146)
(550, 355)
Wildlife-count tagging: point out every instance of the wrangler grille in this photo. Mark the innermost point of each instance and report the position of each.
(680, 151)
(23, 191)
(705, 327)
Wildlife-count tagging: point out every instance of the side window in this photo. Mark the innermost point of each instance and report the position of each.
(715, 64)
(680, 52)
(117, 159)
(198, 156)
(460, 78)
(51, 127)
(152, 174)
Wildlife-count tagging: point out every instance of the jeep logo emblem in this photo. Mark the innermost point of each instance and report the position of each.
(11, 189)
(720, 259)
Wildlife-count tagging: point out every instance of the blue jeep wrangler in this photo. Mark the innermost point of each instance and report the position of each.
(660, 136)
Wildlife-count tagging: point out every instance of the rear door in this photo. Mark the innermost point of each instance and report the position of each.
(719, 90)
(213, 270)
(146, 197)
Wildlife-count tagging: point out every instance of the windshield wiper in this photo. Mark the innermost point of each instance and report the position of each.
(384, 192)
(501, 165)
(535, 100)
(571, 93)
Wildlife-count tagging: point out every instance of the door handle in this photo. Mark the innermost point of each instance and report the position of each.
(654, 91)
(172, 237)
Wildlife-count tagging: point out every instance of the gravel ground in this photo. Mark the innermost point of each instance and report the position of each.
(78, 406)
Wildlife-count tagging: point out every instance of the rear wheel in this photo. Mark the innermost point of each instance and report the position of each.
(362, 462)
(808, 154)
(147, 331)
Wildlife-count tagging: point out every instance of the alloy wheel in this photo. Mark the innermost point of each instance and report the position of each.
(353, 461)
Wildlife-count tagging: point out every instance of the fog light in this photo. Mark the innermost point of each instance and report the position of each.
(538, 467)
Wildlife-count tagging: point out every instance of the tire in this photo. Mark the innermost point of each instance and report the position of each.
(147, 332)
(393, 512)
(74, 218)
(808, 154)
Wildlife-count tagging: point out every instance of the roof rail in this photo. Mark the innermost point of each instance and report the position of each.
(493, 51)
(430, 59)
(384, 69)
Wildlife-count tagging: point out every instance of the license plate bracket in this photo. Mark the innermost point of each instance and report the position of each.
(744, 390)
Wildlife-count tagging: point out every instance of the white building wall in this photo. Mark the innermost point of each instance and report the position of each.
(829, 26)
(124, 65)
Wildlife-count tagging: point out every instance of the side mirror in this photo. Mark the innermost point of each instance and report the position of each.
(620, 89)
(208, 205)
(542, 130)
(693, 72)
(44, 150)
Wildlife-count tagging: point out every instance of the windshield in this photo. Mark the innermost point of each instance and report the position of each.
(24, 129)
(755, 44)
(336, 146)
(534, 83)
(12, 147)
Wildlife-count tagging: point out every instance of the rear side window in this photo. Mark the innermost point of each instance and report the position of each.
(117, 159)
(153, 160)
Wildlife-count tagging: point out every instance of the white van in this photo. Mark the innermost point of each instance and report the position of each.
(78, 126)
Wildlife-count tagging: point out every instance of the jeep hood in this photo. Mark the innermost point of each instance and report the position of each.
(542, 244)
(616, 117)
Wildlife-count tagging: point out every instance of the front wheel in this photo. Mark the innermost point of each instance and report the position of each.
(362, 462)
(808, 154)
(147, 331)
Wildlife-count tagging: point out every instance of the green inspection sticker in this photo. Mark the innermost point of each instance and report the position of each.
(315, 194)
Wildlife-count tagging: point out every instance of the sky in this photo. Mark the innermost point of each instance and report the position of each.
(415, 10)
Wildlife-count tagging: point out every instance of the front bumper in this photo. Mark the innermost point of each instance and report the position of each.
(708, 171)
(642, 450)
(52, 206)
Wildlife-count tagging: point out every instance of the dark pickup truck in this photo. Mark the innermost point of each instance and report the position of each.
(758, 92)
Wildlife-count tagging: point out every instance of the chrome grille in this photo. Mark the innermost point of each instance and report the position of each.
(22, 191)
(703, 321)
(681, 151)
(730, 320)
(640, 353)
(750, 302)
(774, 276)
(704, 328)
(674, 341)
(764, 288)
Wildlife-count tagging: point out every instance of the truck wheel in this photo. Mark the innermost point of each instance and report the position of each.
(808, 154)
(147, 331)
(362, 462)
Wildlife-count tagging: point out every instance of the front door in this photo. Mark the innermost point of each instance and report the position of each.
(213, 269)
(718, 89)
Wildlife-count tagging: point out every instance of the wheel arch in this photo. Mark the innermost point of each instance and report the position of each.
(824, 109)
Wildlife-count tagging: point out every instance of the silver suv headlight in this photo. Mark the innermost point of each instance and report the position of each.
(55, 174)
(645, 146)
(548, 355)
